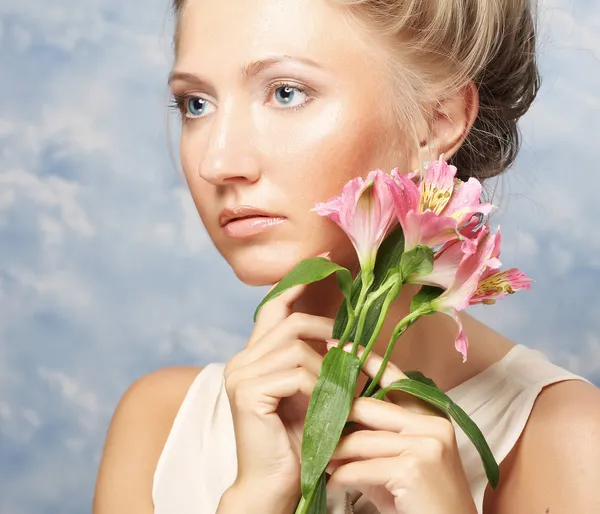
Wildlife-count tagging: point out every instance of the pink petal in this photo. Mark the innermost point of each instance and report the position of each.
(499, 285)
(364, 211)
(405, 194)
(445, 265)
(466, 201)
(330, 209)
(457, 296)
(436, 188)
(461, 343)
(428, 229)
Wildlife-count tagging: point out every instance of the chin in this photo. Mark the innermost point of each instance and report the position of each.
(264, 266)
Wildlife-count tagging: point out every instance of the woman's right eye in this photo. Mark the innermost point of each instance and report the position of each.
(192, 107)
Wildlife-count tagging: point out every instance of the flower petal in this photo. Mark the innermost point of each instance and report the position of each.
(436, 188)
(499, 285)
(428, 229)
(466, 201)
(461, 343)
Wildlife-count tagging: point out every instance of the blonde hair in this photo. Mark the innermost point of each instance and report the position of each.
(437, 47)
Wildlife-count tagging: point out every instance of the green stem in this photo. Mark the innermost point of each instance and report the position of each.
(305, 503)
(374, 296)
(367, 281)
(399, 329)
(391, 296)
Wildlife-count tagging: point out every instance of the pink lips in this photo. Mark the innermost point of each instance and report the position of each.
(246, 221)
(246, 227)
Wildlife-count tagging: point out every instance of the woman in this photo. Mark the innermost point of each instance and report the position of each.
(282, 102)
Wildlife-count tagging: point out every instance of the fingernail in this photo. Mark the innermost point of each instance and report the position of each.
(324, 255)
(331, 343)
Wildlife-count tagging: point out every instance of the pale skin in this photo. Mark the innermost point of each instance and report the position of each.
(252, 147)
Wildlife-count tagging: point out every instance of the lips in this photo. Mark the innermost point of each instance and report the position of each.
(242, 212)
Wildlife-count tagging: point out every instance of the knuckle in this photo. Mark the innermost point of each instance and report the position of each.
(298, 347)
(413, 470)
(297, 319)
(306, 376)
(434, 448)
(445, 429)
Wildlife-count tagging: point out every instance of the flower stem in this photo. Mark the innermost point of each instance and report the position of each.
(399, 329)
(363, 313)
(367, 281)
(392, 294)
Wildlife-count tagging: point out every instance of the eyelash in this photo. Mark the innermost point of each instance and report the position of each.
(179, 102)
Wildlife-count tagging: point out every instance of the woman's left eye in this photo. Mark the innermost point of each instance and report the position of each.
(290, 96)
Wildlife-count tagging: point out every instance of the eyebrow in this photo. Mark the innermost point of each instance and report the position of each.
(251, 69)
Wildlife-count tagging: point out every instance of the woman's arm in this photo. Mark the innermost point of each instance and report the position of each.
(135, 439)
(555, 467)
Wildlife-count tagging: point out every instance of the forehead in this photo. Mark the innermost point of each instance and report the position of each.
(212, 32)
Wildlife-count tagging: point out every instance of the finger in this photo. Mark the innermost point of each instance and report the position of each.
(277, 309)
(378, 415)
(262, 395)
(297, 354)
(368, 444)
(361, 473)
(298, 326)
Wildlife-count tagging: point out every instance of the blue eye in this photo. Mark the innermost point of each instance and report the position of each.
(286, 94)
(289, 95)
(191, 107)
(195, 106)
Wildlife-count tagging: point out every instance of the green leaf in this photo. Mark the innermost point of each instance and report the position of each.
(328, 410)
(307, 272)
(341, 319)
(444, 403)
(418, 376)
(344, 280)
(418, 261)
(388, 255)
(425, 296)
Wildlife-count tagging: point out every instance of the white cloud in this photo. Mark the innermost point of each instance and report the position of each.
(49, 192)
(71, 390)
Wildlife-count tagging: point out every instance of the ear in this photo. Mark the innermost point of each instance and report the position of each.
(449, 125)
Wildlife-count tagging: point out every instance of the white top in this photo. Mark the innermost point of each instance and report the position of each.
(198, 462)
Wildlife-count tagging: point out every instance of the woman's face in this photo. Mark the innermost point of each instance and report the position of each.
(283, 104)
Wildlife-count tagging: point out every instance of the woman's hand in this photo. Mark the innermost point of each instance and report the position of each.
(406, 459)
(269, 385)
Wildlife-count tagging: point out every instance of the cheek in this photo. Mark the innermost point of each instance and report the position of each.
(328, 148)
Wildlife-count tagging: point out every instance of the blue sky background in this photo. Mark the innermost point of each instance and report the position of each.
(106, 272)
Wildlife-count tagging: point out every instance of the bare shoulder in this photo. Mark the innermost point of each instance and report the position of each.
(135, 438)
(554, 466)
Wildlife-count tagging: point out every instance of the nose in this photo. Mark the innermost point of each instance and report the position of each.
(229, 155)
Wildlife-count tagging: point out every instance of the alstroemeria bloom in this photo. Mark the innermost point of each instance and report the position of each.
(478, 280)
(365, 212)
(448, 258)
(432, 211)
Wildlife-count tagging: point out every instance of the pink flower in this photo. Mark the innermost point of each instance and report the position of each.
(476, 280)
(448, 258)
(365, 212)
(432, 211)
